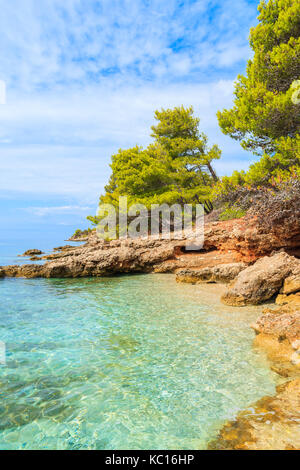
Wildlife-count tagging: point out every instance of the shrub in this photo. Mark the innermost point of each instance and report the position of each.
(82, 233)
(278, 206)
(232, 213)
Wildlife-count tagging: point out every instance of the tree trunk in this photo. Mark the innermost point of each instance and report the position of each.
(212, 172)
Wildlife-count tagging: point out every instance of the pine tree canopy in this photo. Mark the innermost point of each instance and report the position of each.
(175, 168)
(264, 114)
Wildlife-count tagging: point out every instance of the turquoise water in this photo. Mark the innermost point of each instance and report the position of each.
(133, 362)
(9, 254)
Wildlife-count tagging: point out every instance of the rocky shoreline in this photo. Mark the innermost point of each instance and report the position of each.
(272, 422)
(233, 241)
(256, 266)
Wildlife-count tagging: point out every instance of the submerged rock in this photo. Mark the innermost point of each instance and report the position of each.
(270, 424)
(278, 330)
(278, 334)
(262, 280)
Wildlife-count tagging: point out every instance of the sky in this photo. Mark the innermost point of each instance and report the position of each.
(83, 79)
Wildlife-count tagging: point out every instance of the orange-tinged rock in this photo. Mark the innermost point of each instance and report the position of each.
(291, 284)
(271, 424)
(283, 299)
(262, 280)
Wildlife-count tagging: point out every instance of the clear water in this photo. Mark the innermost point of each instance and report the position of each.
(9, 253)
(133, 362)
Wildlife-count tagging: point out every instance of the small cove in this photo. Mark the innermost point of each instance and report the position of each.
(127, 362)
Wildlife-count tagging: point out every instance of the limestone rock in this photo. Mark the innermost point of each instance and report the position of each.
(63, 248)
(220, 273)
(291, 284)
(270, 424)
(99, 259)
(10, 271)
(249, 241)
(261, 281)
(279, 353)
(32, 252)
(281, 324)
(26, 270)
(283, 299)
(225, 242)
(278, 334)
(295, 358)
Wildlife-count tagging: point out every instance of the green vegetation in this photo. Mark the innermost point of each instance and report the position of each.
(232, 213)
(265, 118)
(175, 168)
(82, 233)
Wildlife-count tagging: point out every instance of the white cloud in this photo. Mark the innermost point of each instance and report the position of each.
(52, 43)
(105, 113)
(52, 210)
(62, 143)
(84, 78)
(50, 170)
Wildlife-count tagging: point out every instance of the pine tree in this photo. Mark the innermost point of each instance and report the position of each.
(176, 168)
(265, 117)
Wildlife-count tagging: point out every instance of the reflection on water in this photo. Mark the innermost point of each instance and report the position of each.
(133, 362)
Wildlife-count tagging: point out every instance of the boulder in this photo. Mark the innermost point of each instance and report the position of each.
(283, 323)
(220, 273)
(262, 280)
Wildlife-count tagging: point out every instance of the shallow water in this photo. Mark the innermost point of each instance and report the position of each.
(132, 362)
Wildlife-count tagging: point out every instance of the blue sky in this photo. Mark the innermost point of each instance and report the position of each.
(83, 79)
